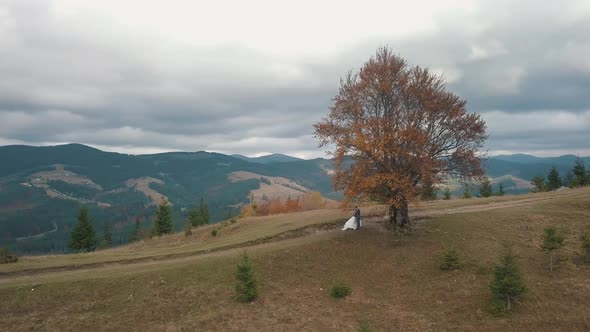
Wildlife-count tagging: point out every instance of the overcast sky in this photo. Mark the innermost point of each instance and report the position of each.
(251, 77)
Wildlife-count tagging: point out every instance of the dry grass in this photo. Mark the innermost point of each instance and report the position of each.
(143, 185)
(396, 282)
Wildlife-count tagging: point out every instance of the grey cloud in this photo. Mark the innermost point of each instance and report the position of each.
(119, 88)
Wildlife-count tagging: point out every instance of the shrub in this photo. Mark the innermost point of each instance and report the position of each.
(104, 244)
(447, 193)
(450, 260)
(466, 192)
(233, 220)
(6, 256)
(246, 289)
(365, 326)
(552, 241)
(341, 290)
(508, 284)
(214, 232)
(188, 228)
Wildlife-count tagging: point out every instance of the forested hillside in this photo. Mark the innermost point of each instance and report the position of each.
(42, 188)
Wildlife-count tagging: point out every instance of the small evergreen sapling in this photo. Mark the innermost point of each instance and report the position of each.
(485, 188)
(204, 211)
(500, 190)
(447, 193)
(188, 228)
(450, 260)
(508, 284)
(466, 192)
(137, 234)
(341, 290)
(539, 183)
(7, 257)
(246, 288)
(552, 241)
(108, 235)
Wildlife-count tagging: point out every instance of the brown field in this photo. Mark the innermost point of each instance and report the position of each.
(59, 174)
(279, 187)
(396, 283)
(143, 185)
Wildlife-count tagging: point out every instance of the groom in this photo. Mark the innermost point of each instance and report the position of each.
(357, 217)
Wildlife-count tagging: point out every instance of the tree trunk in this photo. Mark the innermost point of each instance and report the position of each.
(551, 260)
(399, 215)
(509, 303)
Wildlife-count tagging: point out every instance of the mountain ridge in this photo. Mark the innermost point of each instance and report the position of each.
(41, 187)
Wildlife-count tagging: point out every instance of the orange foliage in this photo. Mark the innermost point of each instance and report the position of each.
(309, 201)
(396, 127)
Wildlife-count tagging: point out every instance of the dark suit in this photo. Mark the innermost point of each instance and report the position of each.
(357, 217)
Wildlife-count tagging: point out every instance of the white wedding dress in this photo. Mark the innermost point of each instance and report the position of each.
(351, 224)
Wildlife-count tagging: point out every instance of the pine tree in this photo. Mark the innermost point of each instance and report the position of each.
(500, 190)
(195, 217)
(428, 191)
(569, 179)
(508, 284)
(485, 188)
(552, 241)
(447, 193)
(204, 210)
(246, 282)
(466, 192)
(581, 177)
(83, 235)
(136, 231)
(553, 180)
(163, 221)
(539, 183)
(108, 236)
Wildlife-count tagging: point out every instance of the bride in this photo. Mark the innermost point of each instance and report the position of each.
(351, 224)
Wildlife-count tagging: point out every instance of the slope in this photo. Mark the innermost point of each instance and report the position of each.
(396, 282)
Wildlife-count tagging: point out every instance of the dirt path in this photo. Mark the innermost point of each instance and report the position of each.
(369, 222)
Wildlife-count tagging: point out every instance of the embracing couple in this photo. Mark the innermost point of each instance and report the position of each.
(355, 221)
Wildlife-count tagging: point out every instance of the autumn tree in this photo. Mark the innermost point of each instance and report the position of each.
(395, 127)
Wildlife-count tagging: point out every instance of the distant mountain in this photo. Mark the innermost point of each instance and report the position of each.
(567, 160)
(271, 158)
(42, 188)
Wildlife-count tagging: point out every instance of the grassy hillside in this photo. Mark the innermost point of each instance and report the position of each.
(396, 282)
